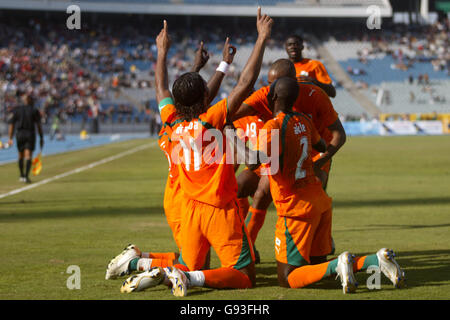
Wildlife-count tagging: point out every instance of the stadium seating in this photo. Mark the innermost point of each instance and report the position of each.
(115, 64)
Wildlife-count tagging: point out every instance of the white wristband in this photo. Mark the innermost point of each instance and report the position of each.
(223, 67)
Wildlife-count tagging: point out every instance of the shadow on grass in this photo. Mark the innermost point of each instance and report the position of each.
(425, 268)
(422, 269)
(390, 202)
(89, 212)
(371, 227)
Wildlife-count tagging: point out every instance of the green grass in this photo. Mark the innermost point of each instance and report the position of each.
(388, 192)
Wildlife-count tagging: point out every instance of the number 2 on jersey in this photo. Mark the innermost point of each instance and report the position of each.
(299, 172)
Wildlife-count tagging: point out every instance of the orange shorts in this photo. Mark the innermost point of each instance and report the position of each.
(173, 198)
(222, 228)
(298, 238)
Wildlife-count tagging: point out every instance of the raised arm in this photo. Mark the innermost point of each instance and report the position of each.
(161, 76)
(201, 58)
(251, 70)
(216, 80)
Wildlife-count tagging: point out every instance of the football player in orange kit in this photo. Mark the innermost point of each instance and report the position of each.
(132, 259)
(210, 216)
(311, 101)
(308, 69)
(303, 207)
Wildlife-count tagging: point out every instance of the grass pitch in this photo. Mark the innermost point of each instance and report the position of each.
(388, 192)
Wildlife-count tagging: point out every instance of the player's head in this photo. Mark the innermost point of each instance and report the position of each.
(282, 95)
(281, 68)
(27, 99)
(294, 47)
(190, 94)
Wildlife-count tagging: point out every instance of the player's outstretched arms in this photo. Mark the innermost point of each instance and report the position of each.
(163, 42)
(216, 80)
(251, 70)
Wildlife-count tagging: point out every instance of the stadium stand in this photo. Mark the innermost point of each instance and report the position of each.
(108, 66)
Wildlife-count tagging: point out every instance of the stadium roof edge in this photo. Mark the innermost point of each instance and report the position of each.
(284, 10)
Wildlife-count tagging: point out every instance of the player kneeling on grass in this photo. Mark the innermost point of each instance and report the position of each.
(210, 214)
(303, 207)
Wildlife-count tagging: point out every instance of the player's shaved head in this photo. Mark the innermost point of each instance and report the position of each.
(189, 92)
(281, 68)
(283, 93)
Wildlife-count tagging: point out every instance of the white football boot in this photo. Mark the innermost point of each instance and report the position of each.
(344, 271)
(390, 267)
(118, 267)
(144, 280)
(179, 281)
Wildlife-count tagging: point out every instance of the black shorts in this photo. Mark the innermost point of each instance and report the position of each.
(25, 140)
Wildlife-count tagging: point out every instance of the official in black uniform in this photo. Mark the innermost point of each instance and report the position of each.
(24, 119)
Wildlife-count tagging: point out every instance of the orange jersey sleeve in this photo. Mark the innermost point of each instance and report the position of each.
(258, 101)
(167, 110)
(168, 114)
(200, 148)
(314, 69)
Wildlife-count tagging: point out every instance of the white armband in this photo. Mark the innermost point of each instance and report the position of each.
(223, 67)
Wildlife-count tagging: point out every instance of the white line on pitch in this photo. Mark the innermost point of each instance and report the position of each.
(77, 170)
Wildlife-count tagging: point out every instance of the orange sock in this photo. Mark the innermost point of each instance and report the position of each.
(226, 278)
(162, 255)
(162, 263)
(306, 275)
(362, 263)
(254, 222)
(244, 205)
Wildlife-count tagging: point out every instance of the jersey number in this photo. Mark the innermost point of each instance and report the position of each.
(299, 172)
(187, 154)
(251, 129)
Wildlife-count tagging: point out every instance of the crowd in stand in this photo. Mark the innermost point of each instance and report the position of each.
(407, 44)
(73, 72)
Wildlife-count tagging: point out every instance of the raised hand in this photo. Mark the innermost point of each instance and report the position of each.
(228, 52)
(163, 40)
(263, 25)
(201, 58)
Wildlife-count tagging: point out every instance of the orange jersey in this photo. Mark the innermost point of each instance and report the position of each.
(295, 189)
(311, 100)
(312, 68)
(199, 147)
(250, 127)
(168, 115)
